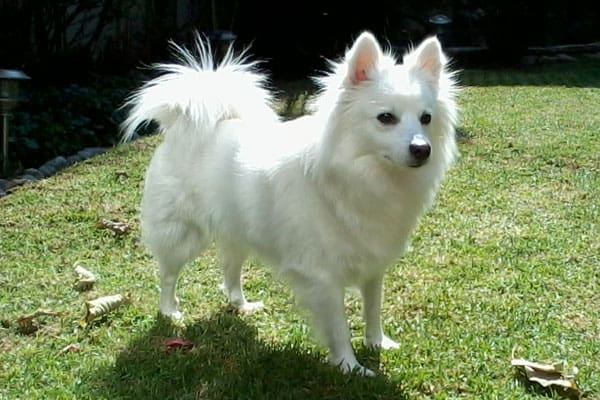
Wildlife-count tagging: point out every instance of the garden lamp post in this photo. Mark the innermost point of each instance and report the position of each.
(9, 96)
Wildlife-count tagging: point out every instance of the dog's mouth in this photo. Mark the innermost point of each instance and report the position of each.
(418, 163)
(414, 163)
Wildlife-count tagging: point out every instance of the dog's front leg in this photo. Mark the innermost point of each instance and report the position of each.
(325, 301)
(371, 291)
(231, 265)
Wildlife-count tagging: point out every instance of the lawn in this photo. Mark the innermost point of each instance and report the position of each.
(507, 262)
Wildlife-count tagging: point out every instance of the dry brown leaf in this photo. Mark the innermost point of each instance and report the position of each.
(178, 344)
(27, 324)
(550, 375)
(85, 278)
(120, 228)
(103, 305)
(72, 348)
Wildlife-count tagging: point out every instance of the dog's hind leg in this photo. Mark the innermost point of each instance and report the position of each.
(232, 259)
(182, 245)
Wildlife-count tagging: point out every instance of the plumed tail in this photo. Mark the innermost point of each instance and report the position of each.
(200, 92)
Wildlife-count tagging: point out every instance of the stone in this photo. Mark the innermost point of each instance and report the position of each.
(47, 170)
(28, 178)
(57, 163)
(90, 152)
(74, 159)
(561, 57)
(51, 167)
(18, 182)
(34, 172)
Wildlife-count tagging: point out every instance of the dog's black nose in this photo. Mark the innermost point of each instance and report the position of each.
(419, 149)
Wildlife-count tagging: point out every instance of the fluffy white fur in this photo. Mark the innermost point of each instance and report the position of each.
(328, 200)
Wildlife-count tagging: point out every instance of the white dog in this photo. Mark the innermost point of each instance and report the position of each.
(329, 200)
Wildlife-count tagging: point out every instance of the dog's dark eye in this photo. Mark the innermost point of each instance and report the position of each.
(387, 118)
(425, 118)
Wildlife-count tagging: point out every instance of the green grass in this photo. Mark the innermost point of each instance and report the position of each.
(507, 260)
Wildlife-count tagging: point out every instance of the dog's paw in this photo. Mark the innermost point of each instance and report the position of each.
(167, 307)
(349, 365)
(385, 343)
(173, 315)
(363, 371)
(249, 307)
(176, 316)
(355, 368)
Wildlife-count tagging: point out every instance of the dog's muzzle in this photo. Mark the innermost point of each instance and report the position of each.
(419, 150)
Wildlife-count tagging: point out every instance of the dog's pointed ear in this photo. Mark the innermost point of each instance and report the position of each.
(428, 59)
(363, 58)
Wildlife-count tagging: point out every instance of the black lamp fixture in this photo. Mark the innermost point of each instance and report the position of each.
(10, 80)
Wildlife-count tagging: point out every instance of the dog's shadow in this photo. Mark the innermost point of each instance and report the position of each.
(228, 361)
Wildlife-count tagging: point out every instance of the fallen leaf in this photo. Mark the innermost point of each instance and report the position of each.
(72, 348)
(178, 344)
(85, 278)
(27, 324)
(103, 305)
(120, 228)
(554, 375)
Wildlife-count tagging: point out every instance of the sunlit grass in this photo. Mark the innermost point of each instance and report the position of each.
(507, 260)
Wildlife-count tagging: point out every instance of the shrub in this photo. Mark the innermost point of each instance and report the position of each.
(61, 120)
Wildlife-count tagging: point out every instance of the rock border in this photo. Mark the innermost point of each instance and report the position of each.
(48, 169)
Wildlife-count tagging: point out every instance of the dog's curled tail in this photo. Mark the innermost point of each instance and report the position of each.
(192, 96)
